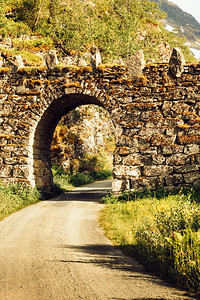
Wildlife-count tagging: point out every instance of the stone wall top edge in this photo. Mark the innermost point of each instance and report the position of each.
(193, 68)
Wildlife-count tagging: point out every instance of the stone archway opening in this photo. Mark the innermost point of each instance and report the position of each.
(42, 140)
(82, 146)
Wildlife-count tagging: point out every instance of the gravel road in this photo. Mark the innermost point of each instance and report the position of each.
(56, 250)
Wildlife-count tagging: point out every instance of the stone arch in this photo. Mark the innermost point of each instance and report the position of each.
(155, 116)
(41, 167)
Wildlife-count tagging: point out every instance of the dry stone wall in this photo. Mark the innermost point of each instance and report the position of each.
(156, 118)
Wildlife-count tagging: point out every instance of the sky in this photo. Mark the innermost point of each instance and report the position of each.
(190, 6)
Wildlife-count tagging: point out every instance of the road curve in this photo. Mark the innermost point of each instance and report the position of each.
(56, 250)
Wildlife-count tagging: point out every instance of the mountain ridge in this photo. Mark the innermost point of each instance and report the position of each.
(182, 23)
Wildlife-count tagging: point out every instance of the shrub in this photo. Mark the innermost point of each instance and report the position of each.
(81, 179)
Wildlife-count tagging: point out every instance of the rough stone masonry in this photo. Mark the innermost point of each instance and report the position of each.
(156, 118)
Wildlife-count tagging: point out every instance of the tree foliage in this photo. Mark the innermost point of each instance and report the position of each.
(117, 27)
(111, 25)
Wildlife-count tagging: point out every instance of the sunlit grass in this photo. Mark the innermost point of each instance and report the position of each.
(16, 197)
(163, 233)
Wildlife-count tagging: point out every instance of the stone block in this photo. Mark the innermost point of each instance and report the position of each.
(143, 142)
(172, 149)
(117, 159)
(122, 171)
(187, 168)
(135, 64)
(177, 62)
(126, 141)
(191, 177)
(148, 150)
(119, 186)
(157, 170)
(17, 64)
(141, 183)
(51, 59)
(178, 159)
(44, 182)
(133, 159)
(162, 140)
(6, 171)
(123, 151)
(191, 149)
(21, 171)
(158, 159)
(95, 59)
(174, 179)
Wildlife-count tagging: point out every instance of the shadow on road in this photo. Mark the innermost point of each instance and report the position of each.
(108, 256)
(90, 192)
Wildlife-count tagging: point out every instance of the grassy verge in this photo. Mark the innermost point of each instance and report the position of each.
(16, 197)
(160, 231)
(66, 181)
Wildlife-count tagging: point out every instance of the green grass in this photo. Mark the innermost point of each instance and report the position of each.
(66, 181)
(15, 197)
(29, 58)
(162, 232)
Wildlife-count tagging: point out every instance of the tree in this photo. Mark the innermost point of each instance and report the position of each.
(31, 12)
(110, 24)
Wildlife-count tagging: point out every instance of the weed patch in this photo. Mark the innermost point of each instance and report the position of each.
(162, 232)
(16, 197)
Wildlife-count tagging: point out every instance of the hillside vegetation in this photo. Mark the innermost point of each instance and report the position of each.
(118, 28)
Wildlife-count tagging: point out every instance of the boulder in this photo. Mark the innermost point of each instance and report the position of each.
(95, 60)
(176, 62)
(135, 64)
(16, 64)
(51, 59)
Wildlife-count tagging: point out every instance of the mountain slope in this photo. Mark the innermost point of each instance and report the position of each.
(182, 23)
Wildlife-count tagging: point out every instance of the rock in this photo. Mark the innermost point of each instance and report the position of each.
(135, 64)
(82, 63)
(68, 60)
(122, 171)
(51, 59)
(17, 64)
(8, 42)
(118, 62)
(174, 179)
(191, 177)
(118, 186)
(1, 62)
(177, 62)
(95, 60)
(165, 52)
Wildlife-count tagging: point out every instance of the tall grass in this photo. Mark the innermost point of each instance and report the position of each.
(16, 197)
(162, 232)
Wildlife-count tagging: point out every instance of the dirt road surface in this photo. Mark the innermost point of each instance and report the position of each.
(56, 250)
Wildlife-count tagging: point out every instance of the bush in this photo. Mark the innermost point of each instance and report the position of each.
(81, 179)
(100, 175)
